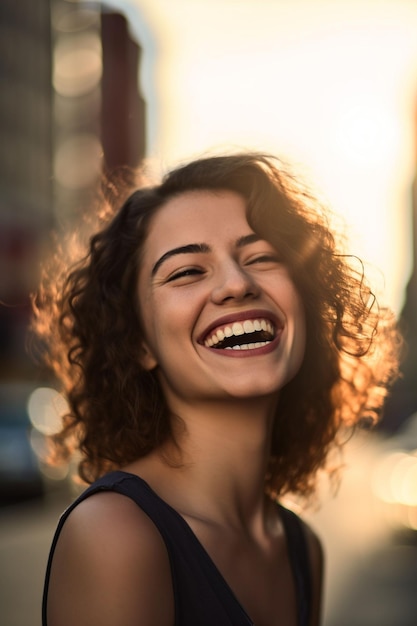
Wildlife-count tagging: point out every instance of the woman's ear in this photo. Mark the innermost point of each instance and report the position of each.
(146, 358)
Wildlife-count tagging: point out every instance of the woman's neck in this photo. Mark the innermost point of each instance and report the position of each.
(217, 469)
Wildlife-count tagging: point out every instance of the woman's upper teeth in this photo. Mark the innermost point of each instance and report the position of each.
(237, 329)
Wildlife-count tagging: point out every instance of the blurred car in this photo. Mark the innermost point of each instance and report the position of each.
(20, 474)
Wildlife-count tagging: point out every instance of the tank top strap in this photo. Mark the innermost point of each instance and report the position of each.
(300, 562)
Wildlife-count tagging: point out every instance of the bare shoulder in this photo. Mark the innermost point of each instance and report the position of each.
(111, 520)
(316, 554)
(110, 567)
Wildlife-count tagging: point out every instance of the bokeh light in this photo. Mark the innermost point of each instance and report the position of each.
(394, 483)
(77, 65)
(78, 161)
(46, 406)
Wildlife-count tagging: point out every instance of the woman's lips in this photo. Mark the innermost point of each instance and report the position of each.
(248, 332)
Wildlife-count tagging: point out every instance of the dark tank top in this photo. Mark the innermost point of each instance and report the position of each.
(202, 596)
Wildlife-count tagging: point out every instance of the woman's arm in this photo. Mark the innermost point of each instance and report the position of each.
(110, 567)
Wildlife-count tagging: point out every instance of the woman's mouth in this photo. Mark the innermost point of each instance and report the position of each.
(248, 334)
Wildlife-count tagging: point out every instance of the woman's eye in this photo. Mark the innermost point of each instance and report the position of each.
(190, 271)
(265, 258)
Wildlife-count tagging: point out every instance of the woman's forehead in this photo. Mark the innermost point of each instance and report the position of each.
(203, 214)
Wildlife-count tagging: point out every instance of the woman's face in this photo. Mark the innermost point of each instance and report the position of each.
(221, 316)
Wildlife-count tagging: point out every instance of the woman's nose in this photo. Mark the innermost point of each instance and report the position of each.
(233, 282)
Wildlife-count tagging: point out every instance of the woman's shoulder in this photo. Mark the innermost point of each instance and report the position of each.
(109, 554)
(113, 526)
(110, 515)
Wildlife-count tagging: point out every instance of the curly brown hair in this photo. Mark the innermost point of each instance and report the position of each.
(90, 323)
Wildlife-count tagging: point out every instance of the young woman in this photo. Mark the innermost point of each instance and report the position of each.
(211, 345)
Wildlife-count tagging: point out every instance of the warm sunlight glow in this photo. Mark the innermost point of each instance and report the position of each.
(329, 85)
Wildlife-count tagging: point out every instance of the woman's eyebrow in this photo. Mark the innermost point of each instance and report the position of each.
(246, 240)
(200, 247)
(189, 249)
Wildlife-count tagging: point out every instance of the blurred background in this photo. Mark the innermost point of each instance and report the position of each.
(328, 85)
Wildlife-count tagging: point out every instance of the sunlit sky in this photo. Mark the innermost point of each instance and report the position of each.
(329, 85)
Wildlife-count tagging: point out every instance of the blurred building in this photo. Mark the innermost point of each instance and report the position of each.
(70, 107)
(403, 400)
(25, 164)
(99, 113)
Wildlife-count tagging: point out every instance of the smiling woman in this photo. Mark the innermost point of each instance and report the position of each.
(212, 343)
(199, 282)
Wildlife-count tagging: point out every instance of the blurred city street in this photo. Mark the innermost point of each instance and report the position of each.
(371, 570)
(25, 535)
(371, 563)
(382, 587)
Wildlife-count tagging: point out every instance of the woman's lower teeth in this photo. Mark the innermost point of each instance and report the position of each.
(248, 346)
